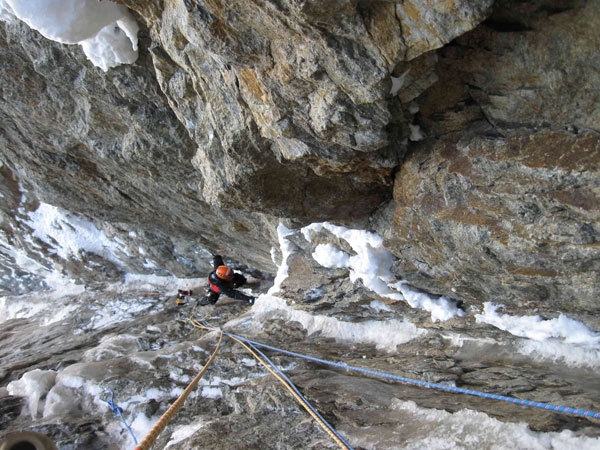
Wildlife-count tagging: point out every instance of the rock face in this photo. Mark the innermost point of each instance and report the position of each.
(108, 146)
(503, 203)
(62, 369)
(465, 132)
(490, 218)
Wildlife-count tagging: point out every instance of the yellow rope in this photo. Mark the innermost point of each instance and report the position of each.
(166, 417)
(284, 382)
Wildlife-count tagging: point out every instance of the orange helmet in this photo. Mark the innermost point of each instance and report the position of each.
(224, 273)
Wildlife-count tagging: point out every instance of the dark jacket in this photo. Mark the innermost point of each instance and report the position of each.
(226, 287)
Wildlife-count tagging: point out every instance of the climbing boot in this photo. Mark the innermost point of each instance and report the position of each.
(204, 301)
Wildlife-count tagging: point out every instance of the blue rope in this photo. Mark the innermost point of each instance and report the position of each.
(285, 377)
(119, 411)
(442, 387)
(290, 384)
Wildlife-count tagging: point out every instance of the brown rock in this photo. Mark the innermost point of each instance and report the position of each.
(507, 218)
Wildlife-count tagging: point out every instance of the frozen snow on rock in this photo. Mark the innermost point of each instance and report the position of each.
(286, 250)
(574, 355)
(156, 282)
(33, 385)
(112, 347)
(385, 335)
(120, 310)
(433, 429)
(52, 306)
(211, 392)
(184, 432)
(329, 256)
(371, 264)
(537, 328)
(441, 308)
(106, 31)
(114, 44)
(65, 397)
(561, 338)
(68, 234)
(53, 280)
(140, 426)
(416, 134)
(379, 306)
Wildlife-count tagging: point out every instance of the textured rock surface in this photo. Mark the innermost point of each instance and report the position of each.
(148, 356)
(504, 203)
(237, 116)
(112, 150)
(264, 110)
(491, 218)
(465, 132)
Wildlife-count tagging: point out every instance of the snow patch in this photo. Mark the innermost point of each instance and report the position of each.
(106, 31)
(142, 282)
(385, 335)
(438, 429)
(119, 310)
(398, 82)
(416, 134)
(184, 432)
(67, 234)
(573, 355)
(329, 256)
(211, 392)
(140, 426)
(441, 308)
(111, 347)
(559, 339)
(538, 328)
(379, 306)
(286, 250)
(33, 385)
(371, 264)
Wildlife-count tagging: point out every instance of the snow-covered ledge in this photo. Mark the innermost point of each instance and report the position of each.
(107, 32)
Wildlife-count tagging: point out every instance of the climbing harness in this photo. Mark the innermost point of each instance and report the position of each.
(119, 411)
(153, 434)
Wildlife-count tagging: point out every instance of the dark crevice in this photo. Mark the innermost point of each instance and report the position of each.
(506, 26)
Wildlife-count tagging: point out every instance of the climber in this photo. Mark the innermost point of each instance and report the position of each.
(222, 280)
